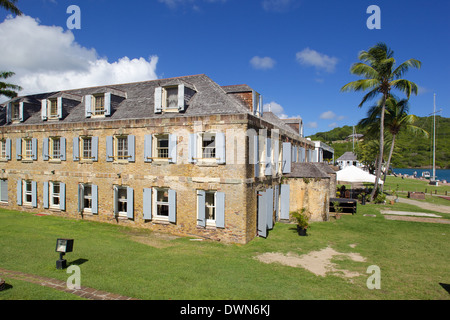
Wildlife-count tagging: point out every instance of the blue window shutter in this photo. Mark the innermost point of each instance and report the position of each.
(158, 100)
(94, 190)
(172, 206)
(94, 148)
(130, 203)
(45, 149)
(148, 148)
(107, 103)
(34, 194)
(62, 196)
(262, 214)
(21, 111)
(284, 201)
(147, 204)
(59, 105)
(192, 148)
(276, 153)
(109, 149)
(8, 112)
(256, 154)
(18, 148)
(8, 149)
(287, 157)
(63, 148)
(268, 170)
(269, 199)
(34, 148)
(80, 197)
(201, 220)
(131, 148)
(45, 200)
(76, 149)
(181, 104)
(172, 148)
(277, 193)
(116, 198)
(220, 148)
(220, 209)
(87, 106)
(44, 109)
(19, 192)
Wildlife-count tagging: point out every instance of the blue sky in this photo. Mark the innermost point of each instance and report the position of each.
(296, 53)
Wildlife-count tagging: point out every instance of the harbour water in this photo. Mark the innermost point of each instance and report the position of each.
(441, 174)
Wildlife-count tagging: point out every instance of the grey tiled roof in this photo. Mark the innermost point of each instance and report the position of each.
(204, 97)
(347, 156)
(308, 170)
(272, 118)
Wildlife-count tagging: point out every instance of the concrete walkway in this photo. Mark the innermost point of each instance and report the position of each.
(426, 205)
(84, 292)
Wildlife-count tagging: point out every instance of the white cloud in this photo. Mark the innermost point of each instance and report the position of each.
(275, 108)
(312, 124)
(278, 5)
(262, 63)
(309, 57)
(333, 125)
(47, 58)
(328, 115)
(172, 4)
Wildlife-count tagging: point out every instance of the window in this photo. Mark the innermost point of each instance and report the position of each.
(53, 108)
(55, 148)
(3, 190)
(15, 111)
(27, 192)
(171, 98)
(28, 149)
(86, 148)
(87, 198)
(208, 146)
(161, 201)
(122, 148)
(99, 105)
(55, 195)
(3, 151)
(121, 201)
(162, 146)
(210, 207)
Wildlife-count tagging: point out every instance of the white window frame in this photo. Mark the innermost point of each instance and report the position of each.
(1, 194)
(27, 192)
(51, 103)
(27, 154)
(201, 148)
(54, 195)
(157, 138)
(165, 97)
(97, 112)
(123, 200)
(87, 197)
(51, 148)
(156, 203)
(210, 222)
(83, 150)
(15, 111)
(125, 156)
(3, 150)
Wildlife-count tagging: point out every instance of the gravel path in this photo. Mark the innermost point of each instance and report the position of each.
(426, 205)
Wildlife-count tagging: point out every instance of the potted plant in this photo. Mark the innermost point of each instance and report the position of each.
(338, 209)
(302, 222)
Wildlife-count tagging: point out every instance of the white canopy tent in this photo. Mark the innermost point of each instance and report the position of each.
(354, 174)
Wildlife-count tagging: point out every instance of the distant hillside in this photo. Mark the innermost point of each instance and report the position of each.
(411, 151)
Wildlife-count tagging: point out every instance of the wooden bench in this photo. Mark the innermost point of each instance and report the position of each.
(347, 205)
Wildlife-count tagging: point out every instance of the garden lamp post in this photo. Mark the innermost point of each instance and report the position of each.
(63, 246)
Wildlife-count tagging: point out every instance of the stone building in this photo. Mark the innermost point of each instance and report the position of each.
(180, 155)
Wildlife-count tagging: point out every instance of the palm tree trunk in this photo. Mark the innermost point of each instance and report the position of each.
(380, 158)
(389, 161)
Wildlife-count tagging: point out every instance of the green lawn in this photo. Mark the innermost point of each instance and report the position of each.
(413, 259)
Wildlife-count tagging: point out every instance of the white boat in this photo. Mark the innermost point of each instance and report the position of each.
(426, 175)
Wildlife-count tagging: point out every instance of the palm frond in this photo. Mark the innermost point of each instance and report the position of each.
(10, 6)
(402, 68)
(405, 86)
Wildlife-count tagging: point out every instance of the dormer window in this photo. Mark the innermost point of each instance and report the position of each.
(15, 111)
(170, 98)
(99, 105)
(51, 109)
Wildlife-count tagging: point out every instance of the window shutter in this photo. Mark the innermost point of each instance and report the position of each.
(44, 109)
(8, 149)
(107, 103)
(62, 196)
(172, 148)
(94, 148)
(62, 140)
(269, 199)
(172, 206)
(302, 154)
(147, 204)
(45, 149)
(148, 148)
(34, 193)
(88, 106)
(277, 193)
(21, 111)
(158, 100)
(4, 190)
(59, 106)
(8, 112)
(116, 198)
(80, 197)
(19, 192)
(94, 192)
(284, 201)
(220, 148)
(45, 200)
(220, 209)
(255, 102)
(276, 155)
(18, 148)
(262, 214)
(192, 148)
(268, 170)
(34, 148)
(181, 104)
(256, 154)
(286, 157)
(109, 149)
(201, 219)
(130, 203)
(76, 149)
(131, 148)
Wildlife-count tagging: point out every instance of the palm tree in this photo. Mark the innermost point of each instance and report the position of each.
(378, 68)
(10, 5)
(7, 89)
(396, 120)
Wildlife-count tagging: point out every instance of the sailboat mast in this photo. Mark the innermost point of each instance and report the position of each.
(434, 137)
